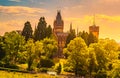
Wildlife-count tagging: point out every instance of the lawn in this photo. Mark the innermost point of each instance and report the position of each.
(6, 74)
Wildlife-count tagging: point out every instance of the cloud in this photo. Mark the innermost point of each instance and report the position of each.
(15, 0)
(109, 18)
(21, 10)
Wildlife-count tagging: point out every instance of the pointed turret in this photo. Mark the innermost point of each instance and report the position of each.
(58, 23)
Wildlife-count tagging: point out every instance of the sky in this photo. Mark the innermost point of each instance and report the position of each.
(14, 13)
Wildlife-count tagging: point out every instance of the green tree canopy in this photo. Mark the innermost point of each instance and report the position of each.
(71, 36)
(49, 31)
(84, 35)
(78, 56)
(30, 53)
(27, 30)
(2, 52)
(13, 46)
(40, 31)
(50, 47)
(91, 39)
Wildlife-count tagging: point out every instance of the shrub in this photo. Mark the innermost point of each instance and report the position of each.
(59, 69)
(48, 63)
(101, 75)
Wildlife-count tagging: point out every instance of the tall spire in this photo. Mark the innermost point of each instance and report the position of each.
(70, 27)
(58, 17)
(94, 20)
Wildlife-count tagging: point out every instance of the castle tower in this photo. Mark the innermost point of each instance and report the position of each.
(58, 23)
(94, 29)
(59, 34)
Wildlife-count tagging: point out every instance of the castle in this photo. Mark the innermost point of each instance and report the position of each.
(58, 27)
(58, 32)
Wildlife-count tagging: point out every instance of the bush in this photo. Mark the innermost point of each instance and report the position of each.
(101, 75)
(59, 69)
(12, 66)
(48, 63)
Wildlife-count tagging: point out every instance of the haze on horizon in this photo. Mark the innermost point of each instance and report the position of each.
(14, 13)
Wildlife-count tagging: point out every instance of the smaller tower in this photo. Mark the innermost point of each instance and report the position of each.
(94, 29)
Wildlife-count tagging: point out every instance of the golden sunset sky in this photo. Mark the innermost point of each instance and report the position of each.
(14, 13)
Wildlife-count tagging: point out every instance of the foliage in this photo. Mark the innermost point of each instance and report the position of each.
(27, 30)
(78, 57)
(30, 53)
(45, 62)
(106, 52)
(71, 36)
(88, 38)
(40, 31)
(50, 47)
(2, 52)
(92, 39)
(38, 50)
(59, 67)
(100, 56)
(84, 35)
(48, 31)
(115, 73)
(13, 46)
(92, 61)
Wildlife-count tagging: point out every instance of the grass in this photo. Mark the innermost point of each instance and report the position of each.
(6, 74)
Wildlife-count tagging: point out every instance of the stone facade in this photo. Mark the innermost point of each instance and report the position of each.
(59, 34)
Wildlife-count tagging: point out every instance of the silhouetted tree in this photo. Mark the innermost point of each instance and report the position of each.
(48, 31)
(84, 36)
(2, 52)
(40, 31)
(27, 30)
(92, 39)
(70, 37)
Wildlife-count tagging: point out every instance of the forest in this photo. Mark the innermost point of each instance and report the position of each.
(84, 54)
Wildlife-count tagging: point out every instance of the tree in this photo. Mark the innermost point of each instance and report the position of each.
(59, 67)
(2, 52)
(30, 53)
(50, 47)
(13, 46)
(91, 39)
(48, 31)
(101, 56)
(115, 73)
(106, 52)
(92, 61)
(27, 30)
(78, 57)
(84, 36)
(40, 31)
(38, 52)
(71, 36)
